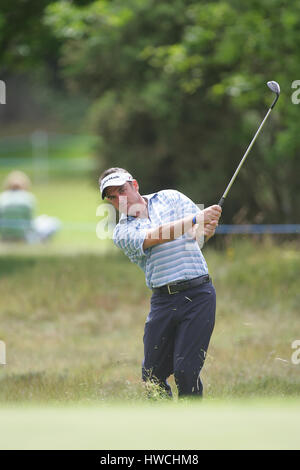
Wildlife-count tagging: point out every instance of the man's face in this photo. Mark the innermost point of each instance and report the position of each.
(124, 197)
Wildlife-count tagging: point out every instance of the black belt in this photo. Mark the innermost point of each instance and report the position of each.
(176, 287)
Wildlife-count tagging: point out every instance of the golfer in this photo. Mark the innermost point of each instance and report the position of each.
(160, 233)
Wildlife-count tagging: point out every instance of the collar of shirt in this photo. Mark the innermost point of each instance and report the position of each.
(128, 218)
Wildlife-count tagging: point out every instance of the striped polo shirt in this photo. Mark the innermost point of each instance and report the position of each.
(177, 260)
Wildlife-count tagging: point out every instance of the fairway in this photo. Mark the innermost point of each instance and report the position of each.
(261, 424)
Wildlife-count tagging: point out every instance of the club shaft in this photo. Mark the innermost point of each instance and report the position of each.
(244, 158)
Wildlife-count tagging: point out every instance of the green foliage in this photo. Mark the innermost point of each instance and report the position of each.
(175, 88)
(24, 39)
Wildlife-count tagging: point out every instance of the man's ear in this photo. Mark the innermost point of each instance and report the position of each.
(136, 185)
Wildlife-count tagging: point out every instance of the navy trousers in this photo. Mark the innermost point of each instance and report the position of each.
(176, 337)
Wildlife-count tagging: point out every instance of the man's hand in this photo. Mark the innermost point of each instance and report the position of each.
(212, 215)
(211, 218)
(209, 230)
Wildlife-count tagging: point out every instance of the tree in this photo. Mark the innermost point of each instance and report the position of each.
(179, 90)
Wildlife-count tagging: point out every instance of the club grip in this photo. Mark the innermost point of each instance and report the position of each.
(221, 201)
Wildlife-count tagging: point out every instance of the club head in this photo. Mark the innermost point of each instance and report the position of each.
(274, 87)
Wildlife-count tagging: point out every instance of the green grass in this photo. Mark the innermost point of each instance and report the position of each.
(73, 326)
(74, 202)
(66, 187)
(57, 146)
(263, 424)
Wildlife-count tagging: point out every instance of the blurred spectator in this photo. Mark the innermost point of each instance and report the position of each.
(17, 207)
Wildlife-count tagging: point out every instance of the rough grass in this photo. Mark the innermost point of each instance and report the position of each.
(73, 326)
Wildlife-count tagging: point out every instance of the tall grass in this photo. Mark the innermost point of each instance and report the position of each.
(73, 325)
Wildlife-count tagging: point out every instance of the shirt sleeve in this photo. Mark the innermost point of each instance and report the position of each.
(130, 239)
(184, 205)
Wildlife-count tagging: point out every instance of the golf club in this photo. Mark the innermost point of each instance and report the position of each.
(275, 88)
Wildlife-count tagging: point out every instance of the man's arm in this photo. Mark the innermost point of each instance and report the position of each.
(207, 218)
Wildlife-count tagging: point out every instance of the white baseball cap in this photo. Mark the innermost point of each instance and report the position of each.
(114, 179)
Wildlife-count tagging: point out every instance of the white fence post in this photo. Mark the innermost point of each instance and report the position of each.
(2, 92)
(2, 353)
(39, 143)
